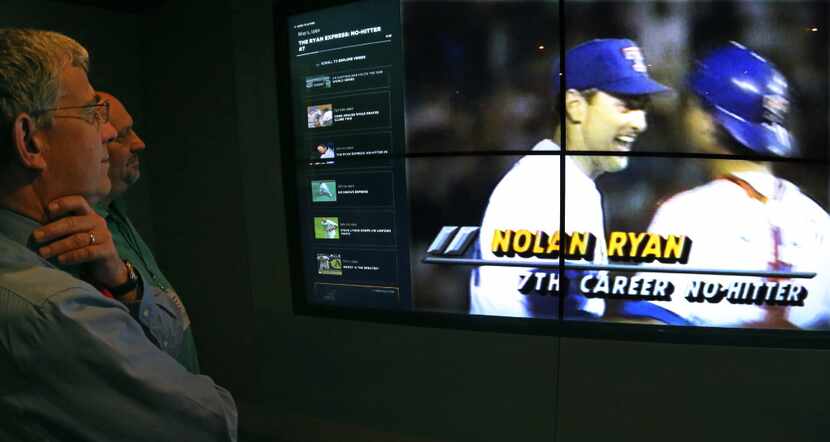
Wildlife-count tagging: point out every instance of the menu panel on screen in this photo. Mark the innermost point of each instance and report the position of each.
(346, 85)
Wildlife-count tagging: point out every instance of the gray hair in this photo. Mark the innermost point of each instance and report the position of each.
(31, 62)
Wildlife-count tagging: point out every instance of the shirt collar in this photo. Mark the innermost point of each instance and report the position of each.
(764, 183)
(102, 210)
(546, 145)
(571, 168)
(115, 207)
(17, 227)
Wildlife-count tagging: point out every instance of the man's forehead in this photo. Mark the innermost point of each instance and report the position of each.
(641, 99)
(119, 115)
(75, 88)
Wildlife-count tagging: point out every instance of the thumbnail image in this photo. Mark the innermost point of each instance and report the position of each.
(318, 81)
(324, 191)
(326, 227)
(323, 151)
(320, 116)
(329, 264)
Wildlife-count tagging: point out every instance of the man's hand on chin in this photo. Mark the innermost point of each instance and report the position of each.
(78, 235)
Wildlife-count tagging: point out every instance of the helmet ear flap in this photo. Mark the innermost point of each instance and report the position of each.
(775, 109)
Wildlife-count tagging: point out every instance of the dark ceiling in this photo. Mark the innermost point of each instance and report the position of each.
(119, 5)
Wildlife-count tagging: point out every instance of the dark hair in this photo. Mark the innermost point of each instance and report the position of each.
(30, 67)
(722, 136)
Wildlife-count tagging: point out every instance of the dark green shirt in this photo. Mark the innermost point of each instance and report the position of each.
(177, 336)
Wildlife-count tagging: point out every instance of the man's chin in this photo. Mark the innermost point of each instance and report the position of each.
(120, 185)
(616, 164)
(101, 193)
(132, 178)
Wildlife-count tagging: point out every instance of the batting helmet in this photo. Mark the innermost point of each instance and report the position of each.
(747, 96)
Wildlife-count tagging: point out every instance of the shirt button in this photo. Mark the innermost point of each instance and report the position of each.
(164, 344)
(146, 313)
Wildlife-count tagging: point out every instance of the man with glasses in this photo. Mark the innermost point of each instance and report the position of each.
(74, 364)
(607, 88)
(175, 337)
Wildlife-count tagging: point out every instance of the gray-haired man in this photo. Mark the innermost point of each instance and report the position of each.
(75, 365)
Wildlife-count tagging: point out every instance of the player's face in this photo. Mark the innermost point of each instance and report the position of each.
(700, 128)
(321, 149)
(612, 123)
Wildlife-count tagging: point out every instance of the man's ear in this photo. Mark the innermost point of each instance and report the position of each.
(575, 106)
(28, 143)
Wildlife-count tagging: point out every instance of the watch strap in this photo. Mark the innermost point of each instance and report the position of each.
(130, 285)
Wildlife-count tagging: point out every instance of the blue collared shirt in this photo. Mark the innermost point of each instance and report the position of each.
(76, 365)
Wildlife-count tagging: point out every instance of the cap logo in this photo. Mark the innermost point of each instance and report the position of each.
(635, 56)
(775, 109)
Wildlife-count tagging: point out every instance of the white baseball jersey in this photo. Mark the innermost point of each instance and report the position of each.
(314, 117)
(324, 263)
(749, 221)
(528, 198)
(324, 190)
(330, 227)
(327, 118)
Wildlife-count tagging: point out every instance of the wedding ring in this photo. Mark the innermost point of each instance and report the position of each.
(91, 238)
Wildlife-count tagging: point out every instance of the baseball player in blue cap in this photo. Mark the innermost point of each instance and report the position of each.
(746, 218)
(607, 88)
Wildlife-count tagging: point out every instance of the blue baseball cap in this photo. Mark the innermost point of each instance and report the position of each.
(611, 65)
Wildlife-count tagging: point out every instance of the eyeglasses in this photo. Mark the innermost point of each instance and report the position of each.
(96, 114)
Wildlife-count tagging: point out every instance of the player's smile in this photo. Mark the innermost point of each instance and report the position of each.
(611, 123)
(624, 142)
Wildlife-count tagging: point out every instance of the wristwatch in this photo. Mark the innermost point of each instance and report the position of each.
(131, 284)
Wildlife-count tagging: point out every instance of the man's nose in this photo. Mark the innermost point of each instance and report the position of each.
(138, 144)
(637, 120)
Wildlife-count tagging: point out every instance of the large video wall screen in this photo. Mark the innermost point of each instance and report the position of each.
(649, 162)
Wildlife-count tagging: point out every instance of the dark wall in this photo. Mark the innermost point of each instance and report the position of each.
(197, 180)
(202, 78)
